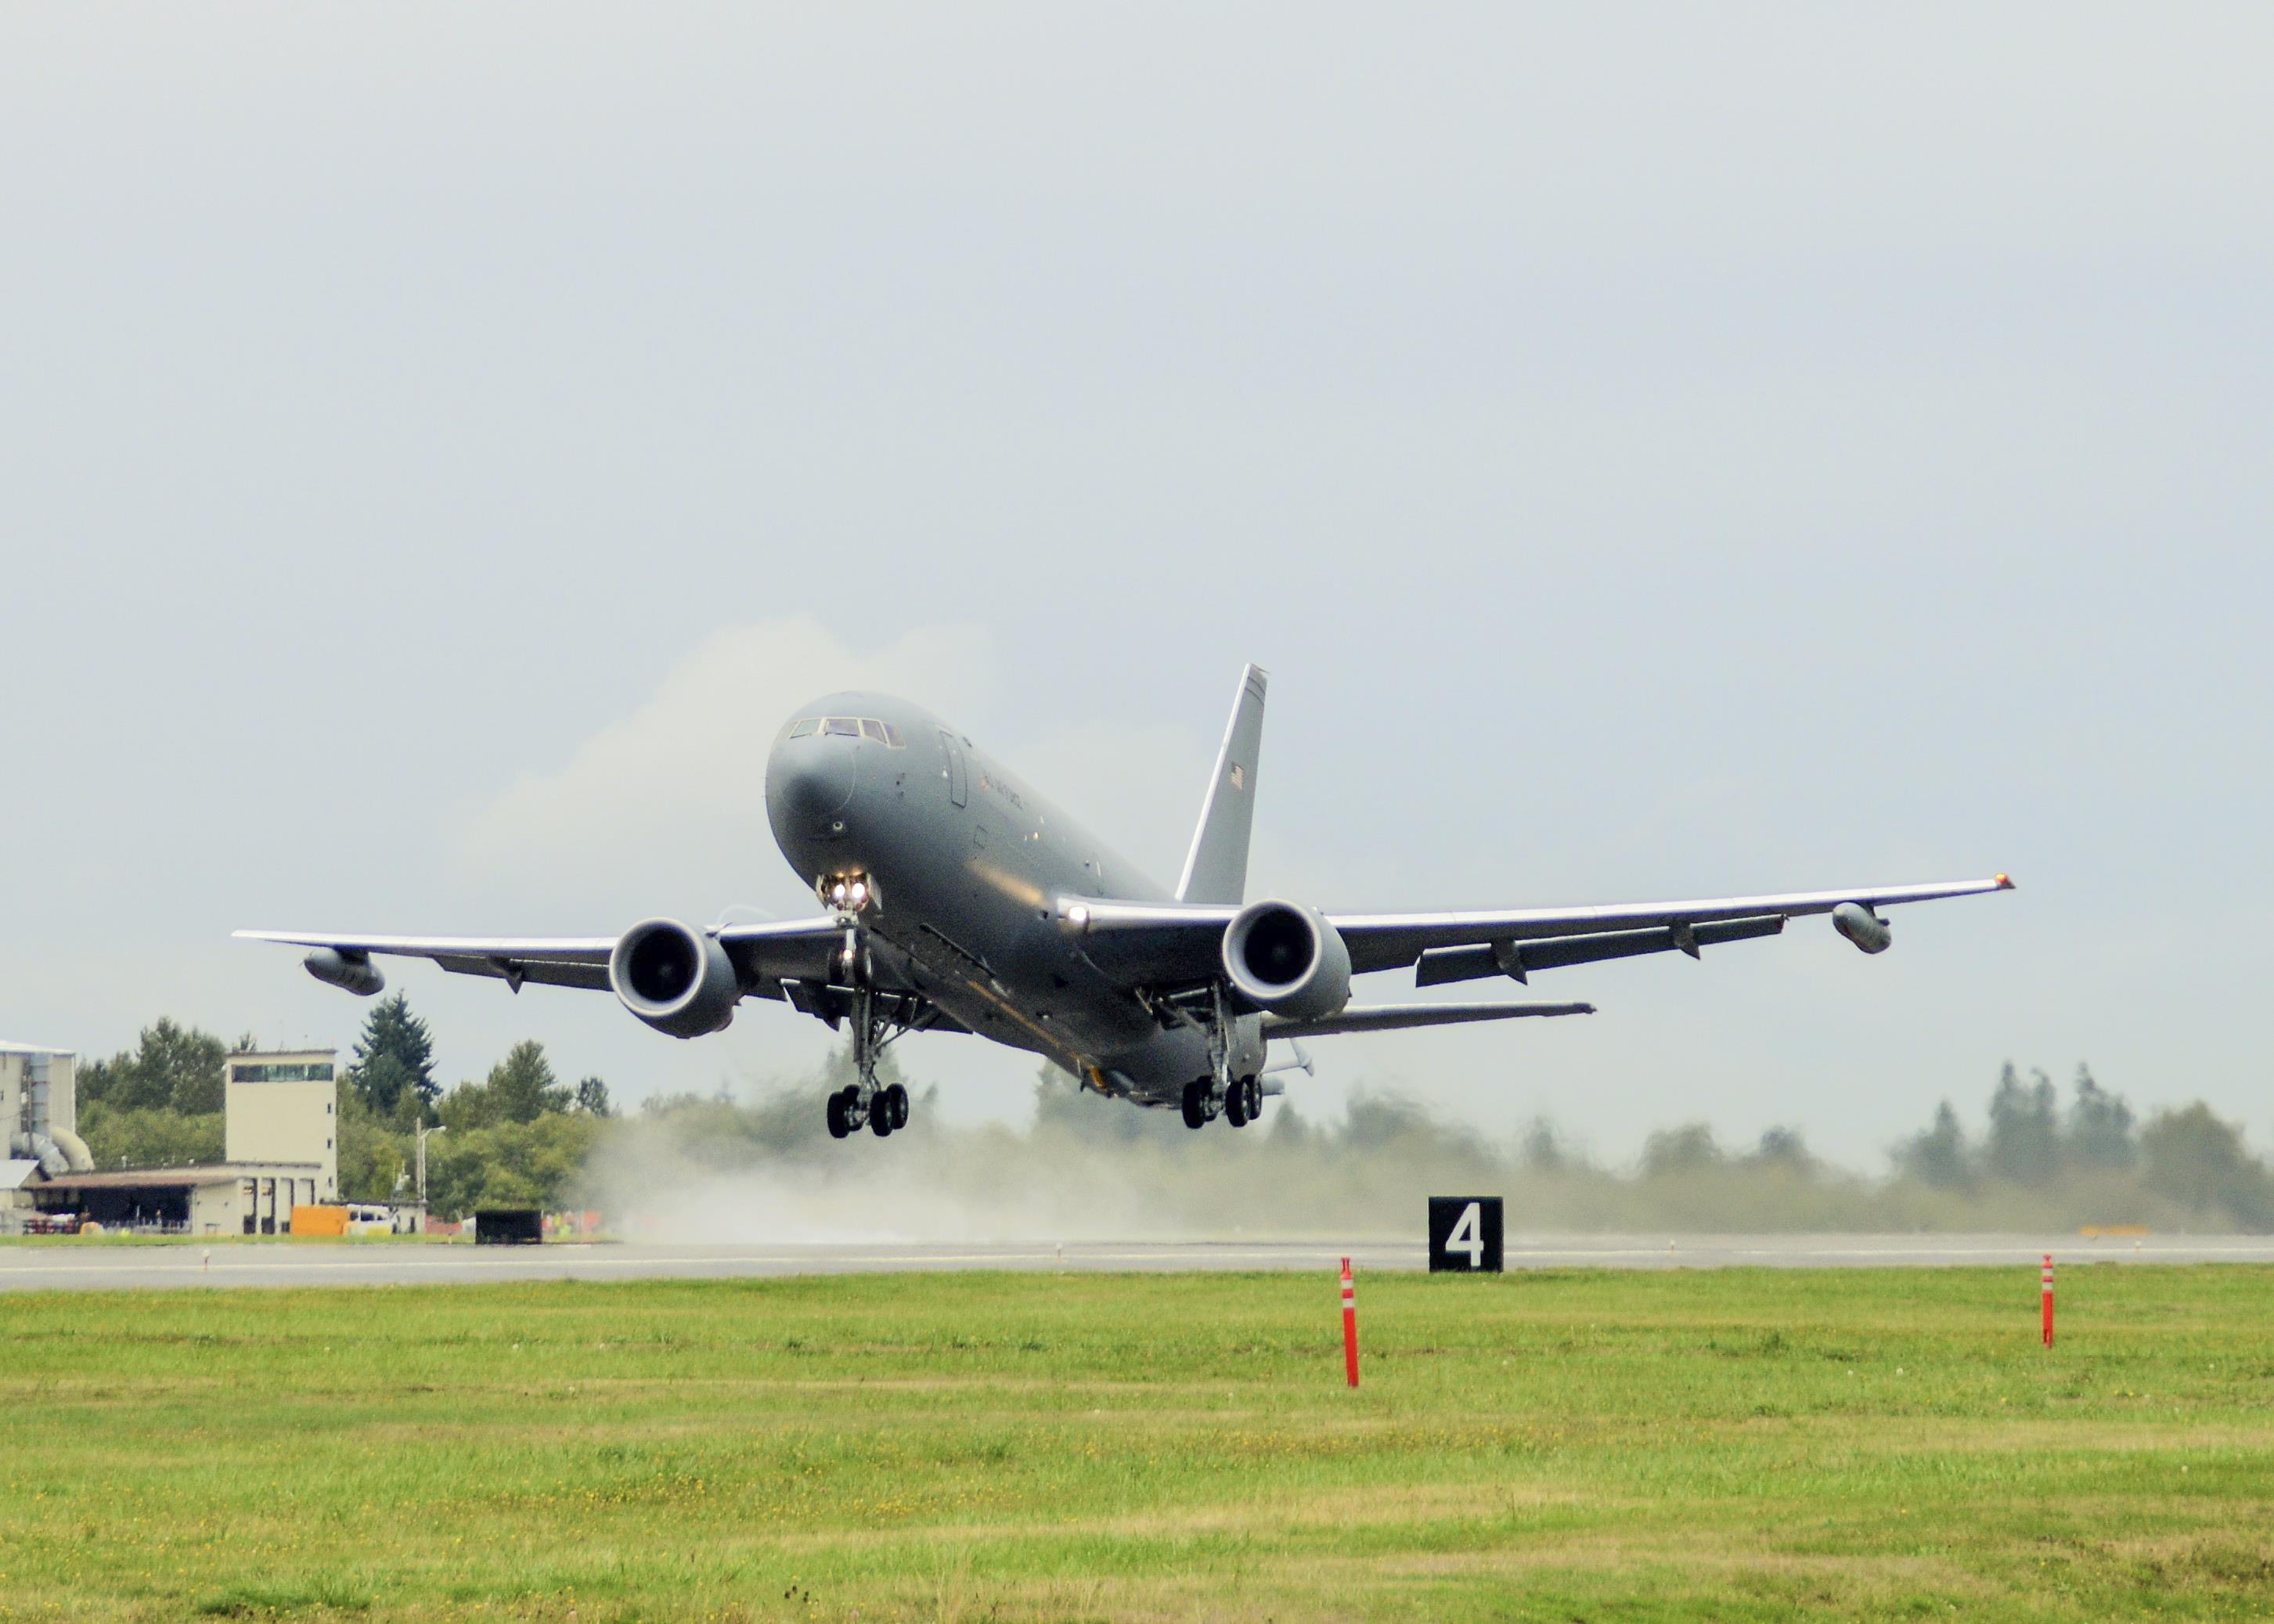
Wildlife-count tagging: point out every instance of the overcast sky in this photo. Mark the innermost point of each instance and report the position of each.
(1656, 453)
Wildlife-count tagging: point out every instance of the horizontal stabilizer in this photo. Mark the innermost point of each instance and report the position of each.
(1519, 959)
(1397, 1017)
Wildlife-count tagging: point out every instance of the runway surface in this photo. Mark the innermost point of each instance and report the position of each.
(316, 1263)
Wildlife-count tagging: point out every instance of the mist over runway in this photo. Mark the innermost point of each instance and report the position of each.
(59, 1268)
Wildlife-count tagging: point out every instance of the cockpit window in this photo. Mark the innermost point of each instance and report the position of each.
(849, 727)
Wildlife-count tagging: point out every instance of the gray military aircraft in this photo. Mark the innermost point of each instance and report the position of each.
(956, 898)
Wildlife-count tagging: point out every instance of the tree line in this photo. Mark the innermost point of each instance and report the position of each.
(520, 1136)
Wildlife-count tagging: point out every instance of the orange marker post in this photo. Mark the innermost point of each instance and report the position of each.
(2046, 1293)
(1350, 1324)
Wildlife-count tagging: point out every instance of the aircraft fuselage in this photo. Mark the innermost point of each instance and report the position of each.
(965, 862)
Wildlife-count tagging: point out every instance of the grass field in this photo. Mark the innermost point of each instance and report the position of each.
(968, 1447)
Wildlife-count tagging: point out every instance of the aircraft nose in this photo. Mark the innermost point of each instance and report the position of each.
(809, 782)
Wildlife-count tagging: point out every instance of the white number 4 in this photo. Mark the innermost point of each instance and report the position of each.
(1468, 1235)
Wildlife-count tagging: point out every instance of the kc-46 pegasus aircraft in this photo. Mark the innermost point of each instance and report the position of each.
(958, 899)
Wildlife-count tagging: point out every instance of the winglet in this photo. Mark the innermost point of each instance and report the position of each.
(1216, 868)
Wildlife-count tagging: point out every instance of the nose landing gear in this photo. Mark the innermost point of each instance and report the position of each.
(876, 1021)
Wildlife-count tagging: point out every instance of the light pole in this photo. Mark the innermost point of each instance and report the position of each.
(423, 1131)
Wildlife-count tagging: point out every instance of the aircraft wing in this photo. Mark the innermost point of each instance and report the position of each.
(1402, 1017)
(1171, 944)
(764, 954)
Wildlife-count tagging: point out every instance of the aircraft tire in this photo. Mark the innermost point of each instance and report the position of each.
(1253, 1088)
(1235, 1103)
(896, 1099)
(1195, 1106)
(838, 1126)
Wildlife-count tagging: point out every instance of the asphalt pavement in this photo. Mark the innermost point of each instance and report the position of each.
(29, 1268)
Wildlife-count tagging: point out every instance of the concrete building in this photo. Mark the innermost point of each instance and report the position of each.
(39, 1116)
(280, 1137)
(283, 1107)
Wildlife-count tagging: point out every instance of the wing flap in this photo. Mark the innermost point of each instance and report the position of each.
(1518, 960)
(1400, 1017)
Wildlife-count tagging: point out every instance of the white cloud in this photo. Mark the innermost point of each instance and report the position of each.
(666, 808)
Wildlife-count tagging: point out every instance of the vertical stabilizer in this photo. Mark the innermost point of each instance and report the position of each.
(1216, 870)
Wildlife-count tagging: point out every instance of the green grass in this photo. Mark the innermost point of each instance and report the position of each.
(1733, 1445)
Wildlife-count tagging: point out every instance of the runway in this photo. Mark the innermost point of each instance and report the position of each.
(63, 1267)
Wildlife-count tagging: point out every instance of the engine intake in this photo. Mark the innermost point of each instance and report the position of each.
(1287, 959)
(674, 977)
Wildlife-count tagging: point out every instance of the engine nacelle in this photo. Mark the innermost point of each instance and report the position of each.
(349, 972)
(674, 977)
(1866, 929)
(1287, 959)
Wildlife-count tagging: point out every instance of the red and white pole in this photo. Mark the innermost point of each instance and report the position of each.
(2047, 1292)
(1350, 1324)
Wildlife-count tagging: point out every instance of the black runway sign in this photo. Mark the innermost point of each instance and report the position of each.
(1464, 1234)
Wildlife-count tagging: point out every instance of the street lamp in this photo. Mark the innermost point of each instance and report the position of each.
(422, 1130)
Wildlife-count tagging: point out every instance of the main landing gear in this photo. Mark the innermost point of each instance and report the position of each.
(1239, 1100)
(881, 1110)
(1239, 1104)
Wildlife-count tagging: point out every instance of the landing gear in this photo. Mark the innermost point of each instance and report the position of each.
(1243, 1102)
(1200, 1103)
(1239, 1104)
(888, 1109)
(883, 1110)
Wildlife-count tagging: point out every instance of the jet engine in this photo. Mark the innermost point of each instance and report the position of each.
(1860, 925)
(1287, 959)
(349, 972)
(674, 977)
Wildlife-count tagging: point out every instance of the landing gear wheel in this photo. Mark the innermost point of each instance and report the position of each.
(1196, 1104)
(880, 1115)
(894, 1103)
(1251, 1087)
(1235, 1103)
(838, 1125)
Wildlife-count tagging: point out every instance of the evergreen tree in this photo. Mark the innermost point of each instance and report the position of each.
(171, 1068)
(2193, 1157)
(1939, 1156)
(522, 1085)
(2100, 1125)
(2024, 1129)
(1783, 1147)
(394, 1053)
(1689, 1148)
(592, 1098)
(1542, 1149)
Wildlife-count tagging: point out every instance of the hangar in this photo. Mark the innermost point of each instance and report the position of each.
(280, 1149)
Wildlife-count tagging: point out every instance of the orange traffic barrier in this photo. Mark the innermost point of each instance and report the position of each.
(319, 1220)
(1350, 1324)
